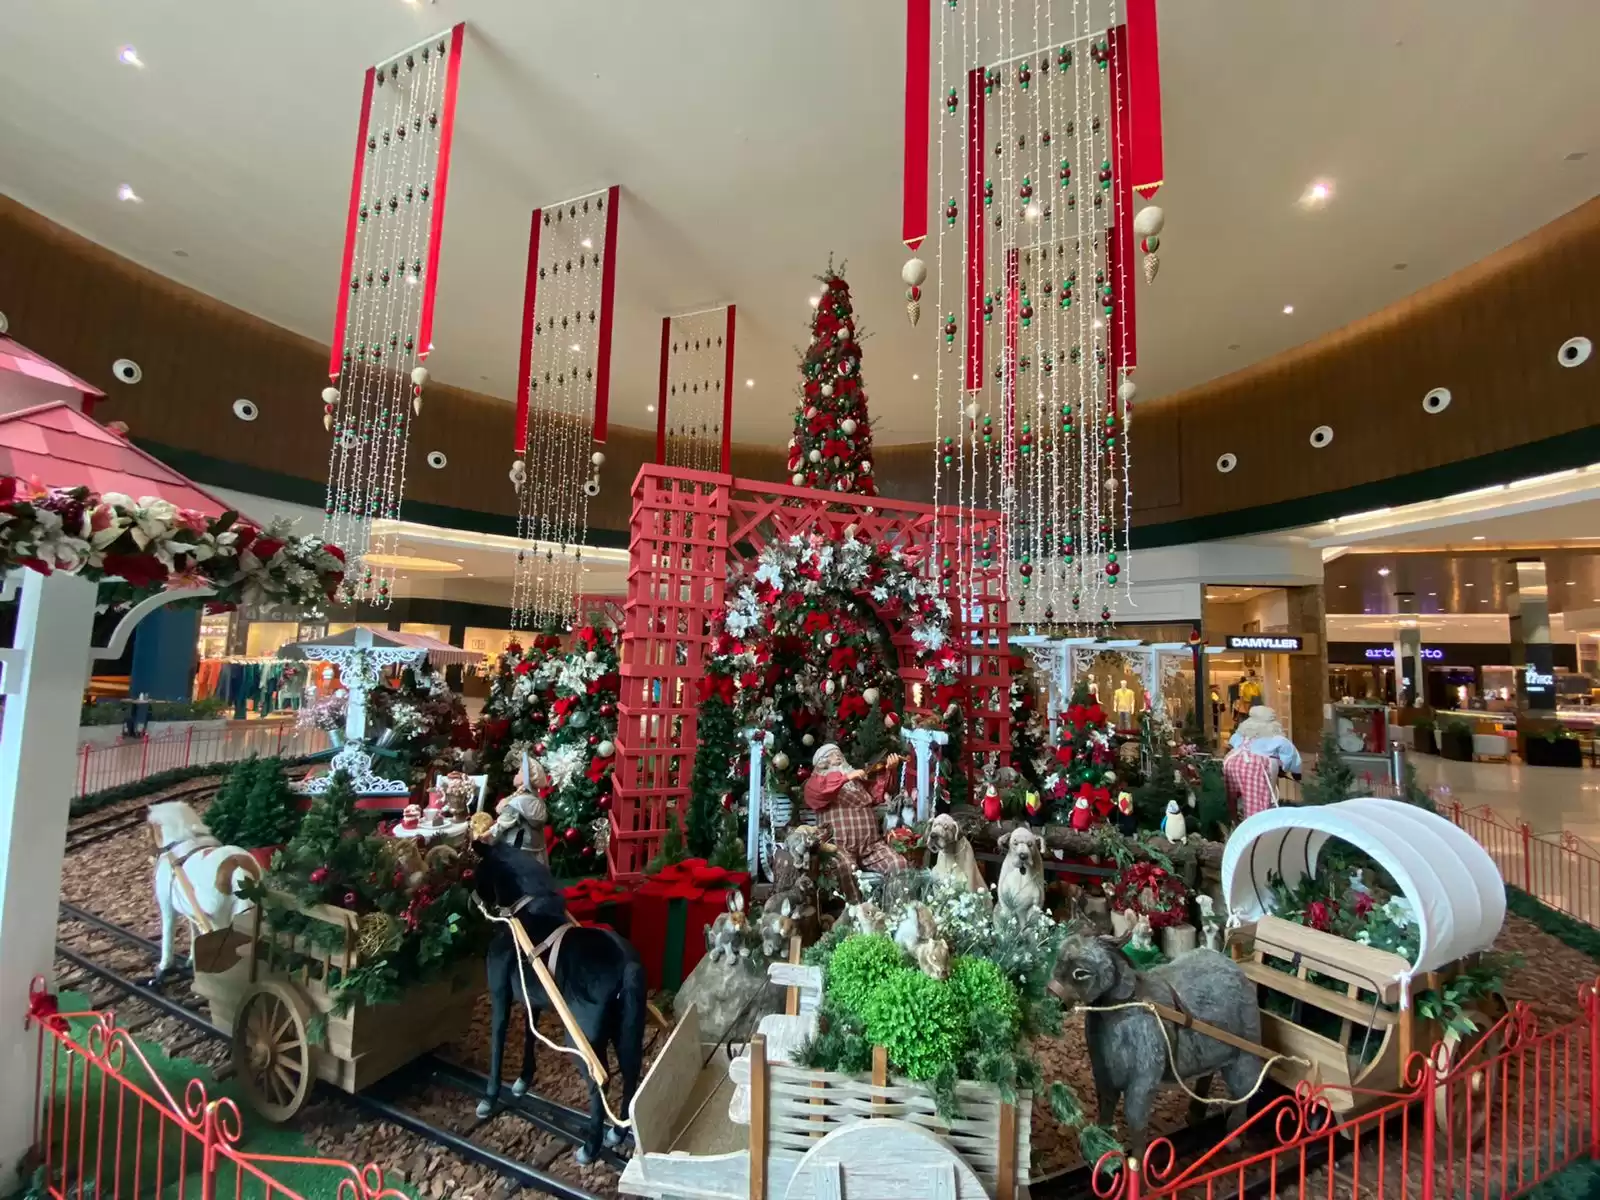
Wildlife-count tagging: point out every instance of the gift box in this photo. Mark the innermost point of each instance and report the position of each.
(671, 912)
(600, 902)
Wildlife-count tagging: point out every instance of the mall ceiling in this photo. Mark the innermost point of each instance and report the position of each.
(753, 140)
(1455, 582)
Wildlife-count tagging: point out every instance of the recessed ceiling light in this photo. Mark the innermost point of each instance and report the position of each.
(1466, 585)
(1483, 602)
(587, 243)
(915, 377)
(1572, 583)
(816, 300)
(130, 57)
(575, 347)
(1287, 309)
(1317, 194)
(649, 408)
(126, 192)
(1383, 570)
(1477, 537)
(1342, 586)
(749, 383)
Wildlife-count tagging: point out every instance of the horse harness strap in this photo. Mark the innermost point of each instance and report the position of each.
(180, 877)
(201, 844)
(1177, 1013)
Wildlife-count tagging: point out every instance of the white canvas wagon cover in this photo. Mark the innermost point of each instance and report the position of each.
(1452, 884)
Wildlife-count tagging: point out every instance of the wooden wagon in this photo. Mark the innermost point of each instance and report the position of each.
(1357, 1025)
(708, 1128)
(269, 991)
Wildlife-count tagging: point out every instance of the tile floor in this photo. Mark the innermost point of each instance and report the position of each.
(1550, 799)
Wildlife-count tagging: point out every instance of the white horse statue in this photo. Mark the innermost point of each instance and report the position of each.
(196, 878)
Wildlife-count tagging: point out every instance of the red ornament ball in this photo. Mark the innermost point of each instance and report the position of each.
(594, 739)
(538, 747)
(603, 803)
(349, 899)
(587, 852)
(571, 834)
(319, 874)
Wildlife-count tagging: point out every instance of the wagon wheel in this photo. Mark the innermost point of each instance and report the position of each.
(271, 1053)
(1453, 1111)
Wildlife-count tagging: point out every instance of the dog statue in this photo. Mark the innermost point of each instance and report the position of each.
(953, 856)
(1021, 884)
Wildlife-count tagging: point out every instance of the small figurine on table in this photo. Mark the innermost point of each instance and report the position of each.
(522, 816)
(844, 799)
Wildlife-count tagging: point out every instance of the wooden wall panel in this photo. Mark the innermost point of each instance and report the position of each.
(1490, 333)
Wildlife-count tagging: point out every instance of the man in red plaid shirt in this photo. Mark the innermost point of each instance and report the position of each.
(846, 808)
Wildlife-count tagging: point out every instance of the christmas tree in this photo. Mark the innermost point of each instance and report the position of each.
(832, 444)
(516, 715)
(581, 749)
(1083, 759)
(225, 817)
(1332, 779)
(717, 756)
(270, 815)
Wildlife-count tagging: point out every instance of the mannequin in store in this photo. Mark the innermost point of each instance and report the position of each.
(1250, 690)
(1122, 703)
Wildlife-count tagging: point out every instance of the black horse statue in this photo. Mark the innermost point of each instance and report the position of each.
(598, 974)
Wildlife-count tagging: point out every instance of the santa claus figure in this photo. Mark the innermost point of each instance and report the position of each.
(521, 817)
(844, 801)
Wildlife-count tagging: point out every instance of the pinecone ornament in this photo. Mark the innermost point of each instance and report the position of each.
(1147, 225)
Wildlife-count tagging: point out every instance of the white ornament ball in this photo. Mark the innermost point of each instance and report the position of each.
(1149, 220)
(797, 479)
(598, 458)
(808, 740)
(972, 412)
(1127, 391)
(815, 456)
(590, 656)
(810, 412)
(848, 426)
(828, 687)
(870, 695)
(866, 467)
(827, 389)
(1111, 484)
(914, 272)
(330, 395)
(606, 749)
(780, 761)
(419, 375)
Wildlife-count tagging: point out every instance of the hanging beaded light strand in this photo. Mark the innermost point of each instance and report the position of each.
(557, 468)
(383, 325)
(695, 392)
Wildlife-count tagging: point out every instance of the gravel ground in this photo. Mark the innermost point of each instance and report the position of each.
(111, 878)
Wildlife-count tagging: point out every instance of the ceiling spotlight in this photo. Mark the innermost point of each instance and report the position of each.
(129, 57)
(575, 347)
(649, 408)
(587, 243)
(1287, 309)
(1477, 537)
(816, 300)
(915, 377)
(1383, 570)
(1342, 586)
(1318, 194)
(749, 383)
(1468, 585)
(126, 193)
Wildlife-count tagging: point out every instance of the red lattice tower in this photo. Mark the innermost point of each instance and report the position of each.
(688, 528)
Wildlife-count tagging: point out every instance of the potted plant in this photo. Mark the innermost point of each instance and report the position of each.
(1556, 746)
(1455, 739)
(908, 841)
(1422, 733)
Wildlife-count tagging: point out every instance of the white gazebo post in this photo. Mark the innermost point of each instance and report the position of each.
(922, 743)
(757, 740)
(360, 667)
(45, 675)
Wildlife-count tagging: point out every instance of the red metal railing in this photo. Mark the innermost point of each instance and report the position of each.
(1559, 869)
(106, 1126)
(1487, 1124)
(117, 763)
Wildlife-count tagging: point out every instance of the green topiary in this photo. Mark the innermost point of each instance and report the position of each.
(980, 986)
(917, 1020)
(225, 817)
(858, 966)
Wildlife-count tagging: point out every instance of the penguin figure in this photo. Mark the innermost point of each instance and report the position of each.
(1127, 826)
(1082, 815)
(1174, 828)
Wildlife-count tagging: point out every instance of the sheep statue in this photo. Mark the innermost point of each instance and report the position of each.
(1127, 1052)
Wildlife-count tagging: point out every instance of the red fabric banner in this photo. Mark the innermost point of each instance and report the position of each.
(1121, 261)
(1145, 156)
(608, 294)
(975, 230)
(914, 187)
(441, 181)
(351, 227)
(727, 394)
(530, 298)
(661, 394)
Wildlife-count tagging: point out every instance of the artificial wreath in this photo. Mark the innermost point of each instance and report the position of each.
(150, 545)
(1145, 887)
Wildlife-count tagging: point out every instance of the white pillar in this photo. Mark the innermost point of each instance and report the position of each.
(922, 742)
(44, 681)
(757, 741)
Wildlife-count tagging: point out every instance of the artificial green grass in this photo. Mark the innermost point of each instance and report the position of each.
(155, 1140)
(1575, 933)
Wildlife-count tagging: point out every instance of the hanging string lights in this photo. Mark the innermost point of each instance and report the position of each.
(1033, 275)
(695, 402)
(562, 390)
(383, 327)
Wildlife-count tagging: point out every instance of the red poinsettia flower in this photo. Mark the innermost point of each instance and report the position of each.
(843, 659)
(820, 423)
(720, 686)
(852, 706)
(1363, 904)
(597, 769)
(722, 643)
(140, 570)
(523, 667)
(1320, 914)
(815, 623)
(606, 683)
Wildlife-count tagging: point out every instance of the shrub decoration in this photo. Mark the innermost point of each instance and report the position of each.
(918, 1020)
(858, 966)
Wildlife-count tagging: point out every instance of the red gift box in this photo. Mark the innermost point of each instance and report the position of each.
(600, 902)
(671, 912)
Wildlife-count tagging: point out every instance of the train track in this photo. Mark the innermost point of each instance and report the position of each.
(382, 1102)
